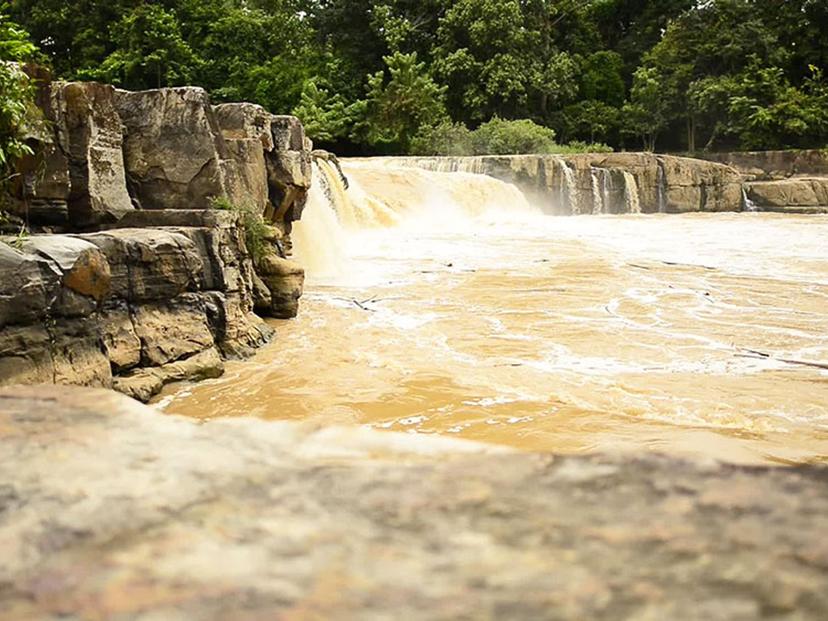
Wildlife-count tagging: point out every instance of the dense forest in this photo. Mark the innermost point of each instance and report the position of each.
(449, 76)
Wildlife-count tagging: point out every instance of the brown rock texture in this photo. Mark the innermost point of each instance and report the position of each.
(129, 308)
(109, 510)
(794, 195)
(132, 278)
(774, 165)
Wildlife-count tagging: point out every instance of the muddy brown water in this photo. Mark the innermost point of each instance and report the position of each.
(444, 304)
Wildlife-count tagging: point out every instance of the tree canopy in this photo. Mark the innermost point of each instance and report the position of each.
(401, 75)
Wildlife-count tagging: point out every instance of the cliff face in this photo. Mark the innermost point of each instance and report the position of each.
(132, 280)
(607, 182)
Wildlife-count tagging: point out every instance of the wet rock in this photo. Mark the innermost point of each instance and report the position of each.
(578, 184)
(112, 510)
(285, 281)
(143, 384)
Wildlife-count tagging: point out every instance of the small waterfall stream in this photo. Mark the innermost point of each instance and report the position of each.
(632, 198)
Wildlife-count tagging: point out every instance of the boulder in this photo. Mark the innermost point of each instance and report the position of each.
(173, 148)
(76, 177)
(289, 169)
(172, 330)
(28, 286)
(285, 281)
(144, 384)
(149, 264)
(246, 131)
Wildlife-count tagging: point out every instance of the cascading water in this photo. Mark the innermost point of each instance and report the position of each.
(597, 193)
(571, 187)
(747, 204)
(632, 199)
(601, 191)
(382, 196)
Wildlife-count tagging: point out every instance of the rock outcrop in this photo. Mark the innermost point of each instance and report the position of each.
(133, 277)
(130, 308)
(111, 510)
(794, 195)
(607, 182)
(77, 176)
(781, 181)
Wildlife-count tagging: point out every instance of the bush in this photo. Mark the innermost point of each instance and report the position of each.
(447, 138)
(497, 137)
(255, 229)
(500, 137)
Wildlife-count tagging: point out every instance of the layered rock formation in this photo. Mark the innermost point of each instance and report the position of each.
(782, 181)
(607, 183)
(133, 278)
(128, 308)
(112, 511)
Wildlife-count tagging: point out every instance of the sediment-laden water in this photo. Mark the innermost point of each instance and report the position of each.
(444, 303)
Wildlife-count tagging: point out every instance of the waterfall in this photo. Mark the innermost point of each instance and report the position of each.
(747, 204)
(319, 238)
(597, 194)
(601, 195)
(632, 199)
(384, 195)
(570, 187)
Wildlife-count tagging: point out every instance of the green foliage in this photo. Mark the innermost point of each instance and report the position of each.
(399, 102)
(497, 137)
(152, 51)
(17, 113)
(500, 137)
(647, 112)
(251, 220)
(397, 76)
(326, 117)
(446, 138)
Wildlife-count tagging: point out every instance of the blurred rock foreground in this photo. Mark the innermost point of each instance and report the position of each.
(109, 510)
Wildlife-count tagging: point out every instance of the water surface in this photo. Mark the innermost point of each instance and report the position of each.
(443, 304)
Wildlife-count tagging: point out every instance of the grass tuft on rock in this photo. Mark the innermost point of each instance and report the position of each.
(255, 228)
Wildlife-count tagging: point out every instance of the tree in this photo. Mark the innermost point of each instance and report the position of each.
(646, 114)
(327, 117)
(16, 95)
(152, 52)
(500, 137)
(400, 102)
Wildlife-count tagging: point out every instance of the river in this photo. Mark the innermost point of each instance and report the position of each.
(444, 303)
